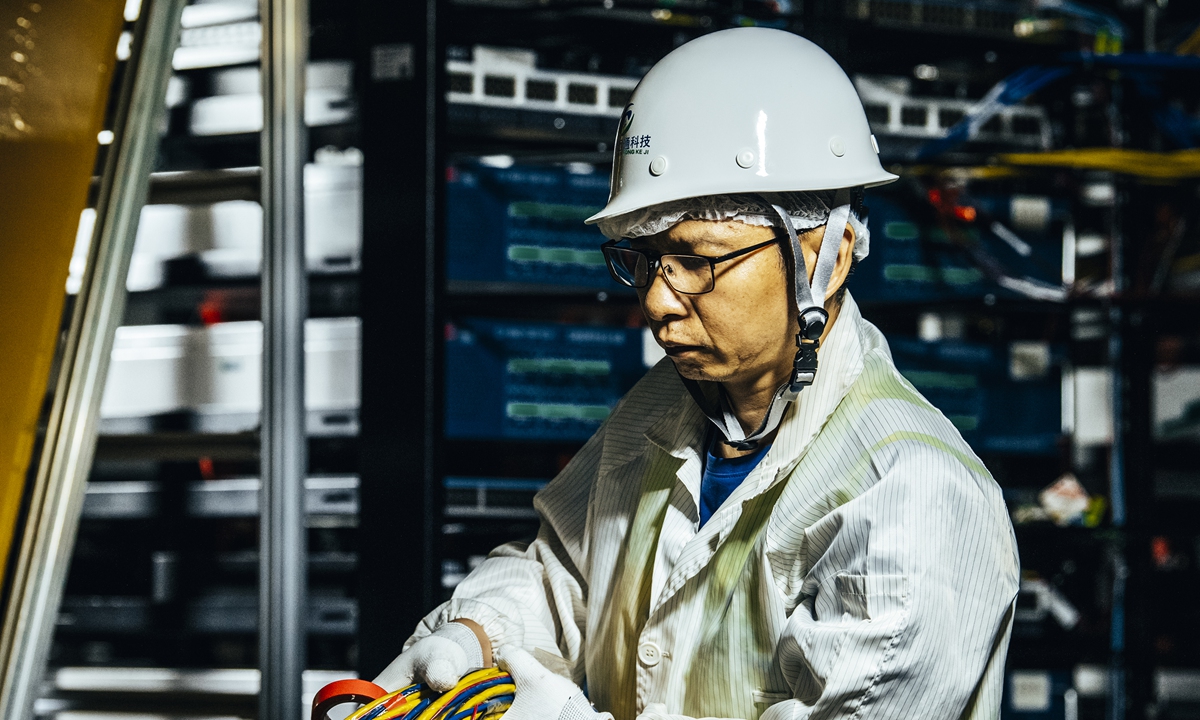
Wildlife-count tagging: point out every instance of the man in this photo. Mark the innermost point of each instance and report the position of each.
(752, 533)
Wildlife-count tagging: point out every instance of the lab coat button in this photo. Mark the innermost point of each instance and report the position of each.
(649, 654)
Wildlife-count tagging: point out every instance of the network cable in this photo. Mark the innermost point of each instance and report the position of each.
(482, 695)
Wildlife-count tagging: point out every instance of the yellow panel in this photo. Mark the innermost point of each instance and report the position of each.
(56, 65)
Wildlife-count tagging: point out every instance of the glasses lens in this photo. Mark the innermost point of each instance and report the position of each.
(688, 273)
(628, 267)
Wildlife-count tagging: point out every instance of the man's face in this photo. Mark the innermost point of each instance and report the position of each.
(740, 330)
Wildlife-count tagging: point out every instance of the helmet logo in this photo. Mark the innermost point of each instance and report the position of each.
(636, 145)
(626, 119)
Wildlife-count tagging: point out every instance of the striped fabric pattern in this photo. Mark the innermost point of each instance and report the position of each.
(882, 585)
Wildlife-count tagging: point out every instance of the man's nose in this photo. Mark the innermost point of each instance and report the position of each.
(660, 301)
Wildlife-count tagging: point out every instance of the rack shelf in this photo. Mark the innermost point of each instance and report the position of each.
(178, 446)
(198, 186)
(190, 296)
(164, 691)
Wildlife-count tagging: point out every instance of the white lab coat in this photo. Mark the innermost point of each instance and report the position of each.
(889, 563)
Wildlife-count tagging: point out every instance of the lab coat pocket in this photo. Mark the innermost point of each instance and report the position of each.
(808, 651)
(871, 597)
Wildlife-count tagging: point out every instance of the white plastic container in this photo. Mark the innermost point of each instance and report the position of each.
(237, 108)
(331, 354)
(332, 217)
(231, 366)
(1177, 402)
(149, 373)
(1093, 419)
(230, 369)
(227, 236)
(215, 372)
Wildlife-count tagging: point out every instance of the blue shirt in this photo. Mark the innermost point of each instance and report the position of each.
(721, 477)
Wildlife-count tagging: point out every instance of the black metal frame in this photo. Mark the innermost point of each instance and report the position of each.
(399, 82)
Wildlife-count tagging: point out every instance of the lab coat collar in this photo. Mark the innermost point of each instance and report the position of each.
(681, 433)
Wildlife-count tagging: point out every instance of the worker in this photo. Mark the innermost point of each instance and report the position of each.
(772, 523)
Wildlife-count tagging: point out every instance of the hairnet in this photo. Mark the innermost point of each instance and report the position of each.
(807, 210)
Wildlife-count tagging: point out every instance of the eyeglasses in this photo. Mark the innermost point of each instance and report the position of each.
(686, 274)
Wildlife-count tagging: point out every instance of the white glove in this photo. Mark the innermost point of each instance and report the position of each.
(440, 660)
(542, 695)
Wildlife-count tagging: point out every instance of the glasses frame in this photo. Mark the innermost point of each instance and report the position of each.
(654, 261)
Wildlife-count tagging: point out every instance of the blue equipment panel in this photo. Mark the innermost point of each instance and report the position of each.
(972, 385)
(914, 259)
(524, 224)
(536, 381)
(1039, 695)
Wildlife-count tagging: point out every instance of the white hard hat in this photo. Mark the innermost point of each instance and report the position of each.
(747, 110)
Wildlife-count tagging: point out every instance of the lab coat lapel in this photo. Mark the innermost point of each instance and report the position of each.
(680, 433)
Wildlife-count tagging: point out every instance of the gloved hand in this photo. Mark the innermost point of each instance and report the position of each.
(542, 695)
(440, 660)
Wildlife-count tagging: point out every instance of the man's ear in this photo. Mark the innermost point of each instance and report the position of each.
(845, 259)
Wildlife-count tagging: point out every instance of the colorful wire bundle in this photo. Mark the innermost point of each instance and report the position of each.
(482, 695)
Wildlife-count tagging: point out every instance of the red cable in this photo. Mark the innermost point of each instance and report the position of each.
(344, 691)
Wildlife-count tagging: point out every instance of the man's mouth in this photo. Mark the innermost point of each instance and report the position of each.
(677, 349)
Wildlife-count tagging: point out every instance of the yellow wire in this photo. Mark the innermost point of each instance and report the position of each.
(1140, 163)
(478, 675)
(442, 702)
(1191, 46)
(373, 704)
(964, 172)
(495, 712)
(411, 701)
(398, 711)
(480, 699)
(417, 697)
(403, 708)
(475, 677)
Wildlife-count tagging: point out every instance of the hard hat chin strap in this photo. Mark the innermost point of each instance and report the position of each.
(812, 319)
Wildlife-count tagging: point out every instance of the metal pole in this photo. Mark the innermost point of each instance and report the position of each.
(70, 443)
(282, 570)
(433, 323)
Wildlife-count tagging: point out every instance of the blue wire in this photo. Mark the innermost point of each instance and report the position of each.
(454, 705)
(407, 692)
(1085, 13)
(1134, 60)
(1012, 89)
(417, 710)
(482, 709)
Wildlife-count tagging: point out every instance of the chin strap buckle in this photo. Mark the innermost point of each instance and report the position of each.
(804, 367)
(742, 445)
(808, 341)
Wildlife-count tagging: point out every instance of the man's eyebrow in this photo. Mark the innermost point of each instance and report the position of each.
(667, 245)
